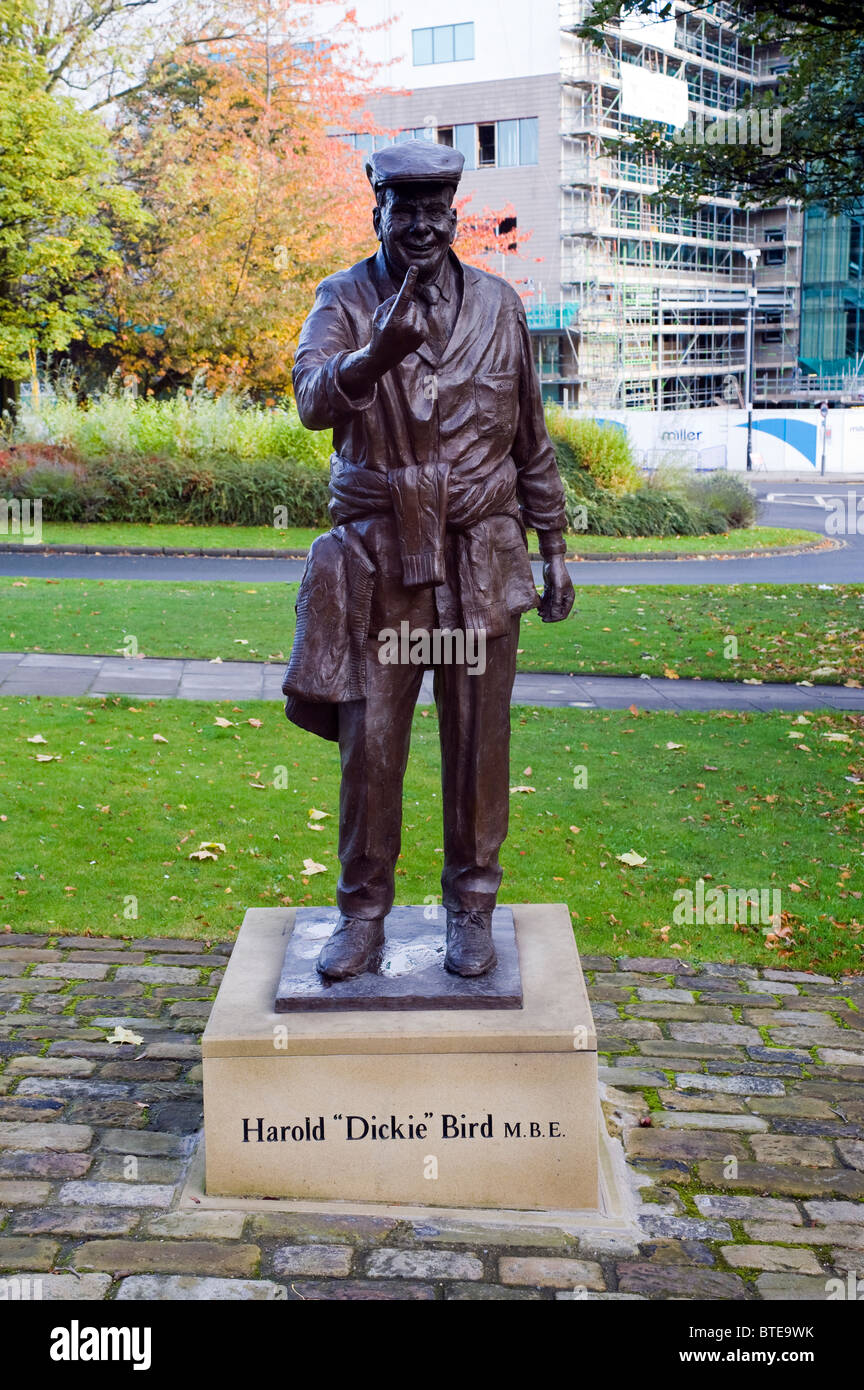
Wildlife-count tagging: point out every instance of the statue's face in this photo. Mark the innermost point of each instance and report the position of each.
(416, 226)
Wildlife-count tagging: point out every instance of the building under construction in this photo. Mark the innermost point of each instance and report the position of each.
(632, 302)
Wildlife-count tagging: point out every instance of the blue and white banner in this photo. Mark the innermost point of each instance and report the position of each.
(784, 441)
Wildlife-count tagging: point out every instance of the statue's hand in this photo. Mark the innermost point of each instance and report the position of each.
(558, 591)
(398, 326)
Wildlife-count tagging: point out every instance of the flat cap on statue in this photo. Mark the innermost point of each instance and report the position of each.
(414, 161)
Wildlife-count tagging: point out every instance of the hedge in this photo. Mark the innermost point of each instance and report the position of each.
(227, 491)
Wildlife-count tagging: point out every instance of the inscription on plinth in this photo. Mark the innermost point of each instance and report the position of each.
(473, 1108)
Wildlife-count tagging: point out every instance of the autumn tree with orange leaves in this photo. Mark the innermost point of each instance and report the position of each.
(491, 240)
(252, 201)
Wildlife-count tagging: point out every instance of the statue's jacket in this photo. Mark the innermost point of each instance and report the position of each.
(435, 475)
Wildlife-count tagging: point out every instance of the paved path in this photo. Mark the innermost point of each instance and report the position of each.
(709, 1070)
(45, 673)
(839, 566)
(798, 503)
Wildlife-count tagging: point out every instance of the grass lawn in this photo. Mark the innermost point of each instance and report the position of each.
(105, 829)
(298, 537)
(785, 633)
(196, 537)
(747, 538)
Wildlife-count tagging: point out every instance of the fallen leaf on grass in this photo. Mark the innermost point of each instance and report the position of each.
(208, 849)
(256, 723)
(158, 738)
(674, 745)
(224, 723)
(522, 789)
(37, 738)
(310, 867)
(318, 815)
(632, 858)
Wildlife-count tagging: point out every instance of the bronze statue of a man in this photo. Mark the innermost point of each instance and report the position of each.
(422, 367)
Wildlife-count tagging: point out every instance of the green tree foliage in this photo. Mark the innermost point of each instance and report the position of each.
(58, 200)
(821, 156)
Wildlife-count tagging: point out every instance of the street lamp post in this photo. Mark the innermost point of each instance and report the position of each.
(752, 254)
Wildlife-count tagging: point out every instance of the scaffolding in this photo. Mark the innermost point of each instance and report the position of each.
(663, 290)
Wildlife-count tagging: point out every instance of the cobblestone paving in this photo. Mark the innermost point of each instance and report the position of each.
(738, 1094)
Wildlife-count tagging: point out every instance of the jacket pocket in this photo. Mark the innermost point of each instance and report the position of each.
(496, 402)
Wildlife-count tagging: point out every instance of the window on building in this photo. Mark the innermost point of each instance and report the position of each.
(486, 145)
(528, 140)
(775, 255)
(775, 234)
(772, 335)
(504, 144)
(465, 140)
(856, 248)
(422, 43)
(508, 143)
(505, 227)
(463, 42)
(445, 43)
(442, 44)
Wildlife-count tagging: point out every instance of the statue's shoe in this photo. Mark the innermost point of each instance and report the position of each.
(469, 943)
(354, 948)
